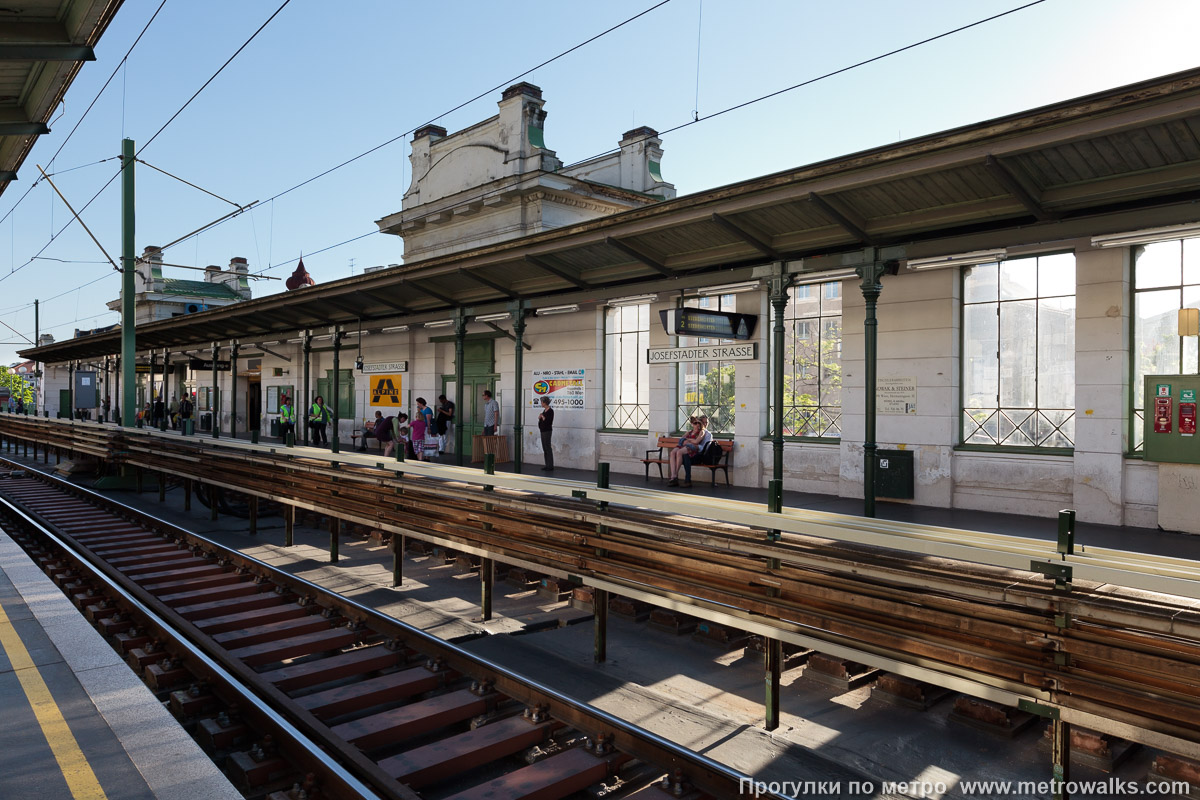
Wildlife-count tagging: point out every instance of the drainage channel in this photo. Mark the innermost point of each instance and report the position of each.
(297, 692)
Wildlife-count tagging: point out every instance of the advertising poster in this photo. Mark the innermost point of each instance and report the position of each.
(384, 393)
(564, 387)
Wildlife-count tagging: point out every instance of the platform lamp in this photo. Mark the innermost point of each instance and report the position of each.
(1189, 325)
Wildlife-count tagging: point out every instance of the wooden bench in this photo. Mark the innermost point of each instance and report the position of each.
(655, 456)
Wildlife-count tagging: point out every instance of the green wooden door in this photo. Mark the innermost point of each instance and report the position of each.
(345, 398)
(479, 367)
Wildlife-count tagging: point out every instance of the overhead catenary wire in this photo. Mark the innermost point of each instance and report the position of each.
(698, 119)
(157, 133)
(79, 122)
(465, 103)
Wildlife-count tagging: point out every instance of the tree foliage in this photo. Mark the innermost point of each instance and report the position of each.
(15, 384)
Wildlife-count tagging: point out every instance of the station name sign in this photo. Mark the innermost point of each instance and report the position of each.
(198, 365)
(712, 324)
(384, 367)
(715, 352)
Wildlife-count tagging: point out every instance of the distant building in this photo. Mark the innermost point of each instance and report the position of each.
(497, 180)
(158, 298)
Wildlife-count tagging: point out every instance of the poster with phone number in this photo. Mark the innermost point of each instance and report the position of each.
(564, 387)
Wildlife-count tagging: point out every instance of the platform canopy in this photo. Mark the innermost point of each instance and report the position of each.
(1114, 161)
(43, 45)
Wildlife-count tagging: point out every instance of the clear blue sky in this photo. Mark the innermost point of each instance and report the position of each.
(327, 81)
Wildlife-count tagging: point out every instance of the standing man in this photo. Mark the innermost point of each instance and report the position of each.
(445, 416)
(546, 426)
(491, 414)
(318, 417)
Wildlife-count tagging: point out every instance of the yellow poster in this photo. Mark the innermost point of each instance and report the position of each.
(385, 393)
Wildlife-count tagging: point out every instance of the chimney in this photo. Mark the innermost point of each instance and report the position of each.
(522, 127)
(148, 272)
(641, 163)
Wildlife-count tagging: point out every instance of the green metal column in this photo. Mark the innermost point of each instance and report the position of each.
(334, 445)
(118, 401)
(779, 298)
(460, 410)
(397, 558)
(128, 348)
(216, 395)
(233, 355)
(153, 396)
(70, 390)
(872, 275)
(518, 317)
(307, 391)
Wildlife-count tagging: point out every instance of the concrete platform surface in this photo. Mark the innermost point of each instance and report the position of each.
(77, 722)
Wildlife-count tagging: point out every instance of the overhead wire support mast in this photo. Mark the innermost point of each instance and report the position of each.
(78, 218)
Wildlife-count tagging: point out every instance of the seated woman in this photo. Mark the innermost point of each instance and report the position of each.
(383, 433)
(688, 449)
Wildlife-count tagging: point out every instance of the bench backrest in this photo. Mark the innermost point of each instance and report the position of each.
(672, 441)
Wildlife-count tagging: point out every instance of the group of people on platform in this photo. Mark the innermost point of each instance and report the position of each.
(424, 436)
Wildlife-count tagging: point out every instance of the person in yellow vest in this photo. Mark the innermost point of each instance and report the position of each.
(287, 419)
(318, 418)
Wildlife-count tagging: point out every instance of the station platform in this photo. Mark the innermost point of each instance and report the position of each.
(1151, 541)
(77, 723)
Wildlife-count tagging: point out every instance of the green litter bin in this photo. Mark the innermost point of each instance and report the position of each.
(894, 474)
(275, 428)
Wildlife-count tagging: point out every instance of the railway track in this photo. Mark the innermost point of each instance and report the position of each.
(300, 693)
(1104, 654)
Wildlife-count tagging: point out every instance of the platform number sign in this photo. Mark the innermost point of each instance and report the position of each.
(385, 391)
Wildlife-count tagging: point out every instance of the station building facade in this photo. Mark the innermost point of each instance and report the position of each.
(1017, 318)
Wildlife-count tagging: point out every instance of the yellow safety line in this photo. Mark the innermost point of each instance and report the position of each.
(74, 765)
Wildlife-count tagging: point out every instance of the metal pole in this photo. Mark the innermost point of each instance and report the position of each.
(397, 559)
(153, 396)
(335, 531)
(600, 596)
(70, 390)
(334, 444)
(487, 568)
(37, 365)
(460, 334)
(1060, 753)
(871, 275)
(128, 286)
(116, 396)
(216, 395)
(518, 315)
(307, 397)
(167, 389)
(233, 355)
(779, 298)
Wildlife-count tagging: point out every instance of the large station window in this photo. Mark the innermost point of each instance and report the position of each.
(812, 361)
(626, 373)
(1019, 353)
(1166, 278)
(706, 388)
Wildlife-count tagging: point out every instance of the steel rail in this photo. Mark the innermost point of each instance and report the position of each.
(699, 769)
(350, 785)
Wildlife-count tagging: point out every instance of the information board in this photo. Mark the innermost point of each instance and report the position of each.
(1169, 427)
(896, 395)
(710, 324)
(564, 387)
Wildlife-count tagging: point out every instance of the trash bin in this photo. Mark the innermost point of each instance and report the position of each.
(189, 427)
(206, 422)
(275, 428)
(894, 474)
